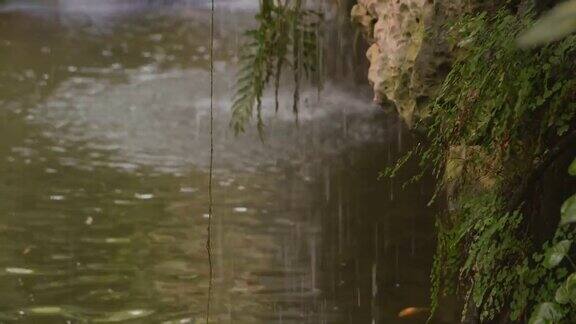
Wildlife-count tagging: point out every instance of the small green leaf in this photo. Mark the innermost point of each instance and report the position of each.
(572, 168)
(546, 313)
(567, 291)
(568, 211)
(556, 253)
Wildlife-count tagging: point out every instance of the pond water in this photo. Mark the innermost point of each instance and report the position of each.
(103, 177)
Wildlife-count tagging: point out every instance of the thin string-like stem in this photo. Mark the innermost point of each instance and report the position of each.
(210, 175)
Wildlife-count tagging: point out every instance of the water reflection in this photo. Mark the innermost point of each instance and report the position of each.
(103, 194)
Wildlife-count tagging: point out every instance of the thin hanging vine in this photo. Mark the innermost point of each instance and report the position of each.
(210, 175)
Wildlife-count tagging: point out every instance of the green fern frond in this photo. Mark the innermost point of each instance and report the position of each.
(287, 35)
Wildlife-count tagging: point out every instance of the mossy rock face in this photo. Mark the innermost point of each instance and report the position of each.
(466, 170)
(408, 52)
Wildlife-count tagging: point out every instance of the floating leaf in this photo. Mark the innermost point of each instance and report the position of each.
(567, 291)
(546, 313)
(557, 23)
(572, 168)
(556, 253)
(568, 211)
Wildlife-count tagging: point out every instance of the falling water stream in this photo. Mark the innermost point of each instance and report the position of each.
(104, 151)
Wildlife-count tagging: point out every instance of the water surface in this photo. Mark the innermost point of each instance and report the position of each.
(103, 168)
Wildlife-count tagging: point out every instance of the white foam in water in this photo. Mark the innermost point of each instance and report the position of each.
(144, 196)
(21, 271)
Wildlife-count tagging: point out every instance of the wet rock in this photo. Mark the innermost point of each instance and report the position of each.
(408, 53)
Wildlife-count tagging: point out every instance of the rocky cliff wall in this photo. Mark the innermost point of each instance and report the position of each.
(408, 54)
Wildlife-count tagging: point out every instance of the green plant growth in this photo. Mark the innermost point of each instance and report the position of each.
(511, 112)
(487, 253)
(562, 303)
(480, 250)
(286, 36)
(501, 100)
(498, 99)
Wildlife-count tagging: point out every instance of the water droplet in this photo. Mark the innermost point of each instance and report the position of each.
(57, 197)
(188, 189)
(120, 240)
(123, 316)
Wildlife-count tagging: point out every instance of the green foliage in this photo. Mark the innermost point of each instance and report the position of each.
(446, 264)
(507, 106)
(537, 283)
(556, 253)
(568, 211)
(487, 252)
(566, 293)
(499, 99)
(546, 313)
(287, 35)
(482, 247)
(572, 168)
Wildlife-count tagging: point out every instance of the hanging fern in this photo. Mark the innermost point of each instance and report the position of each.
(287, 34)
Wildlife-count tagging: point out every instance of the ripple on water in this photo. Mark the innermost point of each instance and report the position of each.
(77, 313)
(19, 271)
